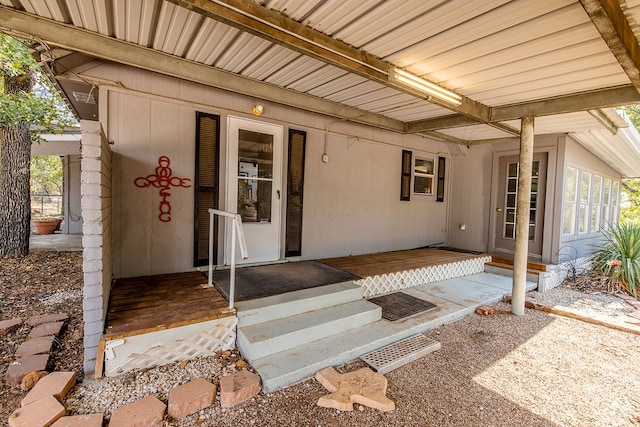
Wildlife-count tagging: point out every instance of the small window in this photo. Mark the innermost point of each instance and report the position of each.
(423, 176)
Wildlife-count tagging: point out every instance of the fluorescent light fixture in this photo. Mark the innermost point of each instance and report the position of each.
(425, 86)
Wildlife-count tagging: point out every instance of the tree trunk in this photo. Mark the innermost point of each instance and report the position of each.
(15, 158)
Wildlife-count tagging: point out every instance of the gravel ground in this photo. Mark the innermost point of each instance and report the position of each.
(500, 370)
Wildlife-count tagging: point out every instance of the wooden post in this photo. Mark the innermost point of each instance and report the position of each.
(522, 216)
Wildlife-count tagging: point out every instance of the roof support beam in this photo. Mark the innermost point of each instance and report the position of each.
(614, 28)
(260, 21)
(108, 48)
(603, 98)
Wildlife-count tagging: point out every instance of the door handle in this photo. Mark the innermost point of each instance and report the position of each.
(498, 209)
(278, 193)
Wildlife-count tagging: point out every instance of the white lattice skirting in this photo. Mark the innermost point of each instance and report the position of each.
(392, 282)
(169, 345)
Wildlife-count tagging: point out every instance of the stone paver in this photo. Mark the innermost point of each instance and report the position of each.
(363, 386)
(237, 388)
(90, 420)
(46, 318)
(189, 398)
(32, 379)
(42, 413)
(46, 329)
(39, 345)
(10, 325)
(56, 384)
(21, 367)
(147, 412)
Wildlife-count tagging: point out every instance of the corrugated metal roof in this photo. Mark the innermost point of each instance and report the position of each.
(496, 52)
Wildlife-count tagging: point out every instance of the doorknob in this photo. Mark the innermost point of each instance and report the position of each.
(498, 209)
(278, 193)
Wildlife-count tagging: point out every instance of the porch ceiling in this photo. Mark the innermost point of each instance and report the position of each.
(506, 59)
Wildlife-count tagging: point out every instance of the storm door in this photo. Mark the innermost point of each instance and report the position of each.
(254, 174)
(506, 206)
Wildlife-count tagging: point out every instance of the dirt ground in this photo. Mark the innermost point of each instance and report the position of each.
(501, 370)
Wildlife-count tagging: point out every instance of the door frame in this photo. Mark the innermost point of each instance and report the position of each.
(549, 199)
(231, 179)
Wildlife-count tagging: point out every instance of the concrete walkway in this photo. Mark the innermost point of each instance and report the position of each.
(55, 242)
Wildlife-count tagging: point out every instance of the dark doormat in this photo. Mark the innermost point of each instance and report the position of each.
(399, 305)
(274, 279)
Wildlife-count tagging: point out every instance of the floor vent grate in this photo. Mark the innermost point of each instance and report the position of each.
(400, 353)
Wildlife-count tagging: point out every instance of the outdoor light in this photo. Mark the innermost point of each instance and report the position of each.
(427, 87)
(258, 109)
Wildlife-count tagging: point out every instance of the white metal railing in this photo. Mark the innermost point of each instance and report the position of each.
(236, 233)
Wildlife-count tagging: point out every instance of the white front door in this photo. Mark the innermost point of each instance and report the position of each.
(254, 190)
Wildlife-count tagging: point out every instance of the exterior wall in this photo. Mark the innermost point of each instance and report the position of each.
(72, 206)
(579, 245)
(474, 183)
(351, 204)
(97, 240)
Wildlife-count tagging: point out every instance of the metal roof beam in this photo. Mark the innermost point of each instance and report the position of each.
(260, 21)
(99, 46)
(603, 98)
(608, 18)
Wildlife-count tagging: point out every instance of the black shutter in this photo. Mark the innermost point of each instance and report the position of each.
(440, 182)
(206, 185)
(405, 178)
(295, 189)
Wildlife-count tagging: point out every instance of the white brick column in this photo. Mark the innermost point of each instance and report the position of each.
(96, 201)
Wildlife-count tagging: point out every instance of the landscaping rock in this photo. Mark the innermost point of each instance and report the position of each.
(21, 367)
(32, 379)
(46, 329)
(40, 345)
(90, 420)
(42, 413)
(190, 398)
(46, 318)
(8, 326)
(56, 384)
(485, 310)
(147, 412)
(237, 388)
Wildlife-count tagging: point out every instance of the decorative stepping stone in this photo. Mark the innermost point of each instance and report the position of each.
(90, 420)
(10, 325)
(21, 367)
(363, 386)
(46, 329)
(44, 412)
(56, 384)
(46, 318)
(40, 345)
(189, 398)
(237, 388)
(147, 412)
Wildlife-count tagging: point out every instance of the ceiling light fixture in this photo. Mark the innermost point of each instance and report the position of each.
(425, 86)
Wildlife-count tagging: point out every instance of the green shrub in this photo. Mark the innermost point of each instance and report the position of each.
(619, 256)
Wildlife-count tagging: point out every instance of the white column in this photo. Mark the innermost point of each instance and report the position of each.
(522, 216)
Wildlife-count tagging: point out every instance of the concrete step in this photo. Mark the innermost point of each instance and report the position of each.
(262, 339)
(291, 303)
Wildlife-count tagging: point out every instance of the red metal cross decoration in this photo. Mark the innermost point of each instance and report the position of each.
(164, 180)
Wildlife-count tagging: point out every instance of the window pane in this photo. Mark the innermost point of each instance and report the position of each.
(422, 184)
(585, 187)
(597, 189)
(606, 192)
(582, 219)
(513, 169)
(615, 193)
(570, 185)
(509, 231)
(424, 166)
(595, 217)
(569, 219)
(255, 154)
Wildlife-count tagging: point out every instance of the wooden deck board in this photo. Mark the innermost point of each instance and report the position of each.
(145, 304)
(393, 262)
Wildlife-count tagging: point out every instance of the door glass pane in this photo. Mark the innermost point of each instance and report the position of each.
(255, 176)
(511, 197)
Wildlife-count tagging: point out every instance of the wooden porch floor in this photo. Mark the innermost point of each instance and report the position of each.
(393, 262)
(145, 304)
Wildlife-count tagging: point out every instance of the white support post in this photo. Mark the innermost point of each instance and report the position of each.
(236, 233)
(522, 216)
